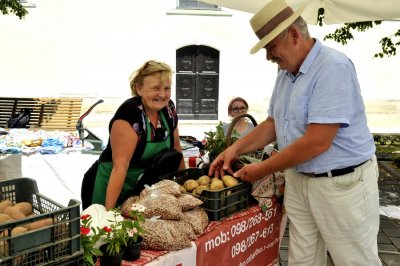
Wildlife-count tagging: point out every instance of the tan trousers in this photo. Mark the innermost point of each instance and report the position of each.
(340, 214)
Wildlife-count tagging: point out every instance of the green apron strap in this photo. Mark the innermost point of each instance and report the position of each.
(133, 173)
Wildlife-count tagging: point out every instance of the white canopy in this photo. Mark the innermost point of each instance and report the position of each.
(336, 11)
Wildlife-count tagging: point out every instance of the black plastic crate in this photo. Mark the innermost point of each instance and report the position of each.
(74, 260)
(49, 245)
(218, 204)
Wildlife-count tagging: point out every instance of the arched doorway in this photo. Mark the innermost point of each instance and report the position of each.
(197, 78)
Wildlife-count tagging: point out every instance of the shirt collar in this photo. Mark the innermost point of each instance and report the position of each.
(305, 67)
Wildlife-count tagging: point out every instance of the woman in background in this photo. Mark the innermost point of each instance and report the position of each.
(238, 106)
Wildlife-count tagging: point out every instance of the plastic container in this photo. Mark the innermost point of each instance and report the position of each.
(218, 204)
(55, 244)
(75, 260)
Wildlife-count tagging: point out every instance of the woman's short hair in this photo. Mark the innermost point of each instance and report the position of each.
(148, 68)
(237, 99)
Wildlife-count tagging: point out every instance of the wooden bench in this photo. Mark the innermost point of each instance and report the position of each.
(47, 113)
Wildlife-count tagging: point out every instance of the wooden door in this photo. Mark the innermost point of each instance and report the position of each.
(197, 73)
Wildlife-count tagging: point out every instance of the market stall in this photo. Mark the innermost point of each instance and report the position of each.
(238, 231)
(250, 237)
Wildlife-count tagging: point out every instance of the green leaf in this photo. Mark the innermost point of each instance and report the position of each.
(249, 159)
(264, 208)
(344, 34)
(216, 140)
(13, 7)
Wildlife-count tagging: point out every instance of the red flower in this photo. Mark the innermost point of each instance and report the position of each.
(85, 230)
(85, 216)
(107, 229)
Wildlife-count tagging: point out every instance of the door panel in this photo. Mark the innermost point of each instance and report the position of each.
(197, 83)
(185, 94)
(208, 96)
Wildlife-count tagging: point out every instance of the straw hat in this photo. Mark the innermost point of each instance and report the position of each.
(271, 20)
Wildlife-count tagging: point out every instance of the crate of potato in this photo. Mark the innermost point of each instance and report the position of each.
(221, 196)
(34, 230)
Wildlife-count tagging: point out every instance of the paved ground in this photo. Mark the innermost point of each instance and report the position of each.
(389, 233)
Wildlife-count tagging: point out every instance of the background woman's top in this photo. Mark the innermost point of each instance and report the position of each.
(250, 127)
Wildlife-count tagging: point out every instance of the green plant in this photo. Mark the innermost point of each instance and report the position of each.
(123, 231)
(13, 7)
(115, 235)
(89, 237)
(215, 141)
(133, 226)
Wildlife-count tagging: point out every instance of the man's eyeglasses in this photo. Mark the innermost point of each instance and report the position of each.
(239, 109)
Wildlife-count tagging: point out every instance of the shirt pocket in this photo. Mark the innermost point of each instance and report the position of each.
(299, 110)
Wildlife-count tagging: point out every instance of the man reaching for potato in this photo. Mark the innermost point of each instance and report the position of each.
(317, 116)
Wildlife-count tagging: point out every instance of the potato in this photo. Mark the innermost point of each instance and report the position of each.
(204, 180)
(14, 213)
(18, 230)
(217, 185)
(4, 204)
(4, 247)
(24, 207)
(215, 179)
(199, 189)
(40, 224)
(190, 184)
(5, 218)
(229, 181)
(182, 189)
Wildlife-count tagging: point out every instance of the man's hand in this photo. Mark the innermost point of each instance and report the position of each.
(250, 172)
(223, 163)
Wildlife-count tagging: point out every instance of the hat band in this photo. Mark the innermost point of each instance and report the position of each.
(273, 23)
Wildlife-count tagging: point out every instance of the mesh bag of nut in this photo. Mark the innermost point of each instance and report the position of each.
(127, 205)
(198, 219)
(164, 186)
(163, 205)
(164, 235)
(188, 202)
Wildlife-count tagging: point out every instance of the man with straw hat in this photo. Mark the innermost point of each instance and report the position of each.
(317, 116)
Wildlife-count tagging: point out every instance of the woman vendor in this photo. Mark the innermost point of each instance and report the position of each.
(143, 126)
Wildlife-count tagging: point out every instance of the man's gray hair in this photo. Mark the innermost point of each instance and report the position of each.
(301, 24)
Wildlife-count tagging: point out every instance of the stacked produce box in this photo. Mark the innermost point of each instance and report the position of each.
(221, 197)
(34, 230)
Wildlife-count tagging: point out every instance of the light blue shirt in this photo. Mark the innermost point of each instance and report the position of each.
(325, 91)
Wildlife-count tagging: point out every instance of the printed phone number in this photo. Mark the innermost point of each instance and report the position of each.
(240, 228)
(243, 226)
(243, 245)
